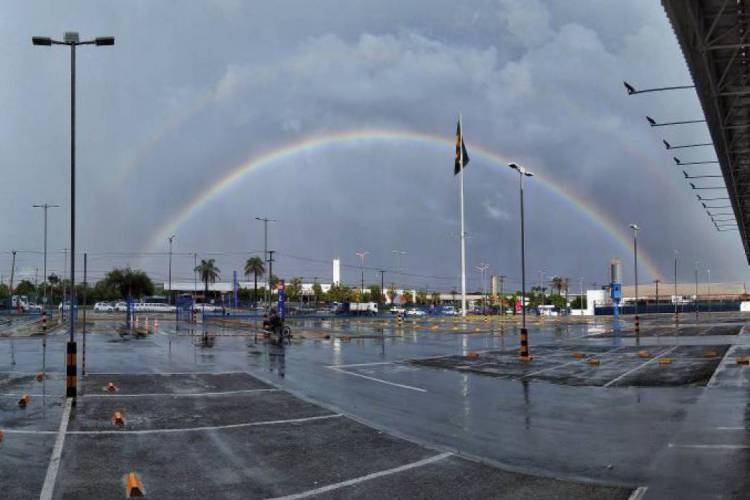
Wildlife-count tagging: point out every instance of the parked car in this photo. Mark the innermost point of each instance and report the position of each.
(449, 311)
(398, 310)
(121, 307)
(34, 308)
(201, 307)
(103, 307)
(416, 312)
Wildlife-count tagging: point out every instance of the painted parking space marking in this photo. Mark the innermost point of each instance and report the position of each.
(210, 428)
(179, 395)
(583, 360)
(48, 487)
(633, 370)
(373, 379)
(357, 480)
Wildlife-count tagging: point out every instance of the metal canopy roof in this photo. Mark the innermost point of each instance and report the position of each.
(715, 40)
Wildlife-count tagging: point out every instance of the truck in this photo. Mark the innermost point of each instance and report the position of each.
(361, 308)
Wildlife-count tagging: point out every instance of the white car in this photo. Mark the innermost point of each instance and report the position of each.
(103, 307)
(121, 307)
(398, 310)
(207, 308)
(416, 312)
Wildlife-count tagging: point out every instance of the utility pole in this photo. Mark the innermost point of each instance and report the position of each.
(398, 254)
(265, 221)
(482, 268)
(85, 292)
(64, 288)
(195, 274)
(580, 298)
(657, 295)
(696, 289)
(502, 297)
(709, 290)
(676, 312)
(362, 255)
(12, 275)
(635, 229)
(171, 238)
(382, 288)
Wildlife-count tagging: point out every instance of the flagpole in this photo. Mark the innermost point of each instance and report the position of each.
(463, 233)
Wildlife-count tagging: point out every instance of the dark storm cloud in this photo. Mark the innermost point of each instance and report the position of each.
(194, 89)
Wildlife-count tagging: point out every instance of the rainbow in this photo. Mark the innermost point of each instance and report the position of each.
(317, 142)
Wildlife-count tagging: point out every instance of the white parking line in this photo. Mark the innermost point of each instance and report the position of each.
(569, 363)
(212, 427)
(638, 493)
(633, 370)
(721, 368)
(357, 480)
(179, 395)
(165, 373)
(54, 463)
(712, 446)
(412, 388)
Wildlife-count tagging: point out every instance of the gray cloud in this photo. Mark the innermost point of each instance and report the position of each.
(193, 89)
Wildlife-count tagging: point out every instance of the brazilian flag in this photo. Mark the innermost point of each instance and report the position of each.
(460, 148)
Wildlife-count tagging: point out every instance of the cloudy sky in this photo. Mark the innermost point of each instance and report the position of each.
(192, 92)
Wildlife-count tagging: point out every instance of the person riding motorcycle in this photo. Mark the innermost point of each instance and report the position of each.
(272, 321)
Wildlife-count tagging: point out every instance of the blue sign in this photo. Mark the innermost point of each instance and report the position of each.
(616, 292)
(282, 298)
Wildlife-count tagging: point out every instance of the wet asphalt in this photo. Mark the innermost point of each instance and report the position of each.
(553, 428)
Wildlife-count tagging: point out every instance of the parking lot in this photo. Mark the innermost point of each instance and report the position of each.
(366, 407)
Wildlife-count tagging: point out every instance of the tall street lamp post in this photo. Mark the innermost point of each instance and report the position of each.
(635, 229)
(171, 238)
(676, 311)
(522, 172)
(45, 206)
(696, 289)
(265, 221)
(72, 40)
(362, 256)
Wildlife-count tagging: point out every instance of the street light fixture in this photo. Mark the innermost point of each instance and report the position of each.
(701, 198)
(706, 187)
(700, 176)
(632, 90)
(683, 146)
(523, 172)
(708, 162)
(654, 123)
(71, 39)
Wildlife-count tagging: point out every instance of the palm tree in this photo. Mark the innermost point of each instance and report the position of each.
(208, 272)
(254, 266)
(557, 284)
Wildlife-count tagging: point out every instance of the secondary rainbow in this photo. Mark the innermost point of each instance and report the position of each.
(316, 142)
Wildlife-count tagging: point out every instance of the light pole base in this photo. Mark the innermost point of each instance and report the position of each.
(71, 371)
(524, 350)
